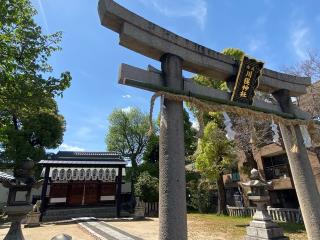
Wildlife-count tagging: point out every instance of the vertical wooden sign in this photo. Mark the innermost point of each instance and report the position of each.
(247, 80)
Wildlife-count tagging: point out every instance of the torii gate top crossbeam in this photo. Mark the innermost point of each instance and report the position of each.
(151, 40)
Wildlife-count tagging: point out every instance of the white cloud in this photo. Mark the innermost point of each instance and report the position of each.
(196, 9)
(43, 15)
(66, 147)
(96, 122)
(83, 132)
(255, 44)
(127, 96)
(260, 21)
(195, 124)
(299, 38)
(126, 109)
(268, 3)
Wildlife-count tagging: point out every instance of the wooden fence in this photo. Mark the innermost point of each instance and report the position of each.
(151, 209)
(278, 214)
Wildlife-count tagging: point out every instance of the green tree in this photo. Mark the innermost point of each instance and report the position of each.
(29, 118)
(150, 157)
(190, 139)
(241, 126)
(236, 53)
(151, 154)
(147, 187)
(215, 155)
(128, 134)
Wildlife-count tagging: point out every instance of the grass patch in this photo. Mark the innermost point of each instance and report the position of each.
(235, 227)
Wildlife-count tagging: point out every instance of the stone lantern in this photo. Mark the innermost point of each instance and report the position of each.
(261, 227)
(18, 203)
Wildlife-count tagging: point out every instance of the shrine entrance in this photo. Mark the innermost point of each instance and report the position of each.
(76, 194)
(245, 78)
(76, 179)
(84, 193)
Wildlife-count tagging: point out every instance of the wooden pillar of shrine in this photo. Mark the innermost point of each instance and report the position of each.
(172, 185)
(118, 198)
(44, 191)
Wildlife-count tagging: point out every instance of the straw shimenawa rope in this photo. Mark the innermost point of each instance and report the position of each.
(205, 106)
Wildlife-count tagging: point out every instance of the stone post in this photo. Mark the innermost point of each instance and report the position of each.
(301, 170)
(172, 186)
(119, 186)
(44, 191)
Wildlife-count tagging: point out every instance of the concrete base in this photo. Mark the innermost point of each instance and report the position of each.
(58, 214)
(262, 216)
(33, 220)
(139, 210)
(138, 213)
(264, 230)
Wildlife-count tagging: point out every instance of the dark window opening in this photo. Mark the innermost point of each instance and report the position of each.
(284, 199)
(276, 167)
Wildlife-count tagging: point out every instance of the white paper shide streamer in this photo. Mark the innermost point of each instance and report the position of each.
(275, 130)
(227, 122)
(306, 136)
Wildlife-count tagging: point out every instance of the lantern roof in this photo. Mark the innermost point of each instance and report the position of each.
(6, 178)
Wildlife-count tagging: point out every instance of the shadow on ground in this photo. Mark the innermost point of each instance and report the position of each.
(287, 227)
(73, 221)
(242, 225)
(292, 227)
(4, 226)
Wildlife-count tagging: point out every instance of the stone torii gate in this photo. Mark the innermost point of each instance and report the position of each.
(176, 54)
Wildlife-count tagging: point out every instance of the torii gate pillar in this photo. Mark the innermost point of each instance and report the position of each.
(172, 187)
(303, 178)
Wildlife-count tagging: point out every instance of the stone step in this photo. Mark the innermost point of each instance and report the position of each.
(65, 214)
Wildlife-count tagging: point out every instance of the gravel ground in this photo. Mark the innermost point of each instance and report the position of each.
(200, 227)
(48, 231)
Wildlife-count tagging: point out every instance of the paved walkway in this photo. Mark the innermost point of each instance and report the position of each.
(104, 231)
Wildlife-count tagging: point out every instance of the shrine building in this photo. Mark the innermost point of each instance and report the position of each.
(82, 184)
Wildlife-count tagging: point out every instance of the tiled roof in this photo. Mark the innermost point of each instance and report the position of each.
(4, 177)
(80, 162)
(91, 155)
(84, 158)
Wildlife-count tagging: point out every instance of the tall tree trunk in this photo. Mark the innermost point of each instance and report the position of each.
(15, 122)
(250, 158)
(222, 204)
(134, 164)
(134, 167)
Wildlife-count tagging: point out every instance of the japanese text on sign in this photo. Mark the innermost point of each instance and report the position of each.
(247, 81)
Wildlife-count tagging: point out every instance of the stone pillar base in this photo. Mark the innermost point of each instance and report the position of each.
(33, 220)
(139, 210)
(138, 213)
(264, 230)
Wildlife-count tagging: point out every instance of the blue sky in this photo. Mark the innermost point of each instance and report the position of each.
(277, 32)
